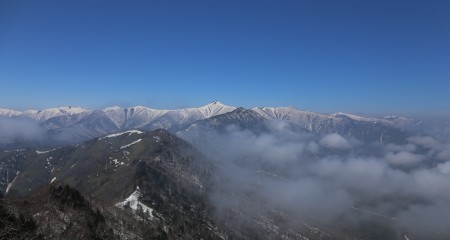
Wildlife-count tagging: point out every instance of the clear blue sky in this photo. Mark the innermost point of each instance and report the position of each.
(354, 56)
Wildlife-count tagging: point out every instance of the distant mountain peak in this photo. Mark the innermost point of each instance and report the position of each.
(215, 103)
(215, 108)
(8, 113)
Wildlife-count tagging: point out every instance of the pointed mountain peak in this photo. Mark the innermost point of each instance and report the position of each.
(215, 108)
(215, 103)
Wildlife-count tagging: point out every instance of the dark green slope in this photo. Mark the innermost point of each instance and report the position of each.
(172, 176)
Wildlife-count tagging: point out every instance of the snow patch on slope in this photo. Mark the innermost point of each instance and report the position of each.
(130, 144)
(10, 184)
(133, 202)
(130, 132)
(44, 152)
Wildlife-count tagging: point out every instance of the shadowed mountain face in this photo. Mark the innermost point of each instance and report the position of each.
(94, 124)
(149, 179)
(367, 132)
(123, 174)
(109, 167)
(161, 172)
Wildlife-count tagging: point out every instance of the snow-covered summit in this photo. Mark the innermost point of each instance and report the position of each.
(42, 115)
(8, 113)
(215, 108)
(139, 116)
(132, 117)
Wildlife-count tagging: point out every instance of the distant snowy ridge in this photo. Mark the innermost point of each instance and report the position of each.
(42, 115)
(119, 115)
(394, 121)
(44, 152)
(8, 113)
(139, 116)
(312, 121)
(87, 124)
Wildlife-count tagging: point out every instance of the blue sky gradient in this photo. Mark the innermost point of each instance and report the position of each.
(326, 56)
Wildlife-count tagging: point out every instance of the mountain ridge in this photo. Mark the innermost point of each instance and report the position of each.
(74, 124)
(211, 109)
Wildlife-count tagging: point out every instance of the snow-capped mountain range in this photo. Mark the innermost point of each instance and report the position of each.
(139, 116)
(86, 124)
(131, 117)
(43, 114)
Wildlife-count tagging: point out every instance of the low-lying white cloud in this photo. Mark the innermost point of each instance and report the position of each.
(403, 158)
(302, 175)
(444, 167)
(335, 140)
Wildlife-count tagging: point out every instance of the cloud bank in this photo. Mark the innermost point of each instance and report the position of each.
(20, 129)
(333, 177)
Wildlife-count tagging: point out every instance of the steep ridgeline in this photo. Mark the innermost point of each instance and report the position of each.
(88, 125)
(147, 118)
